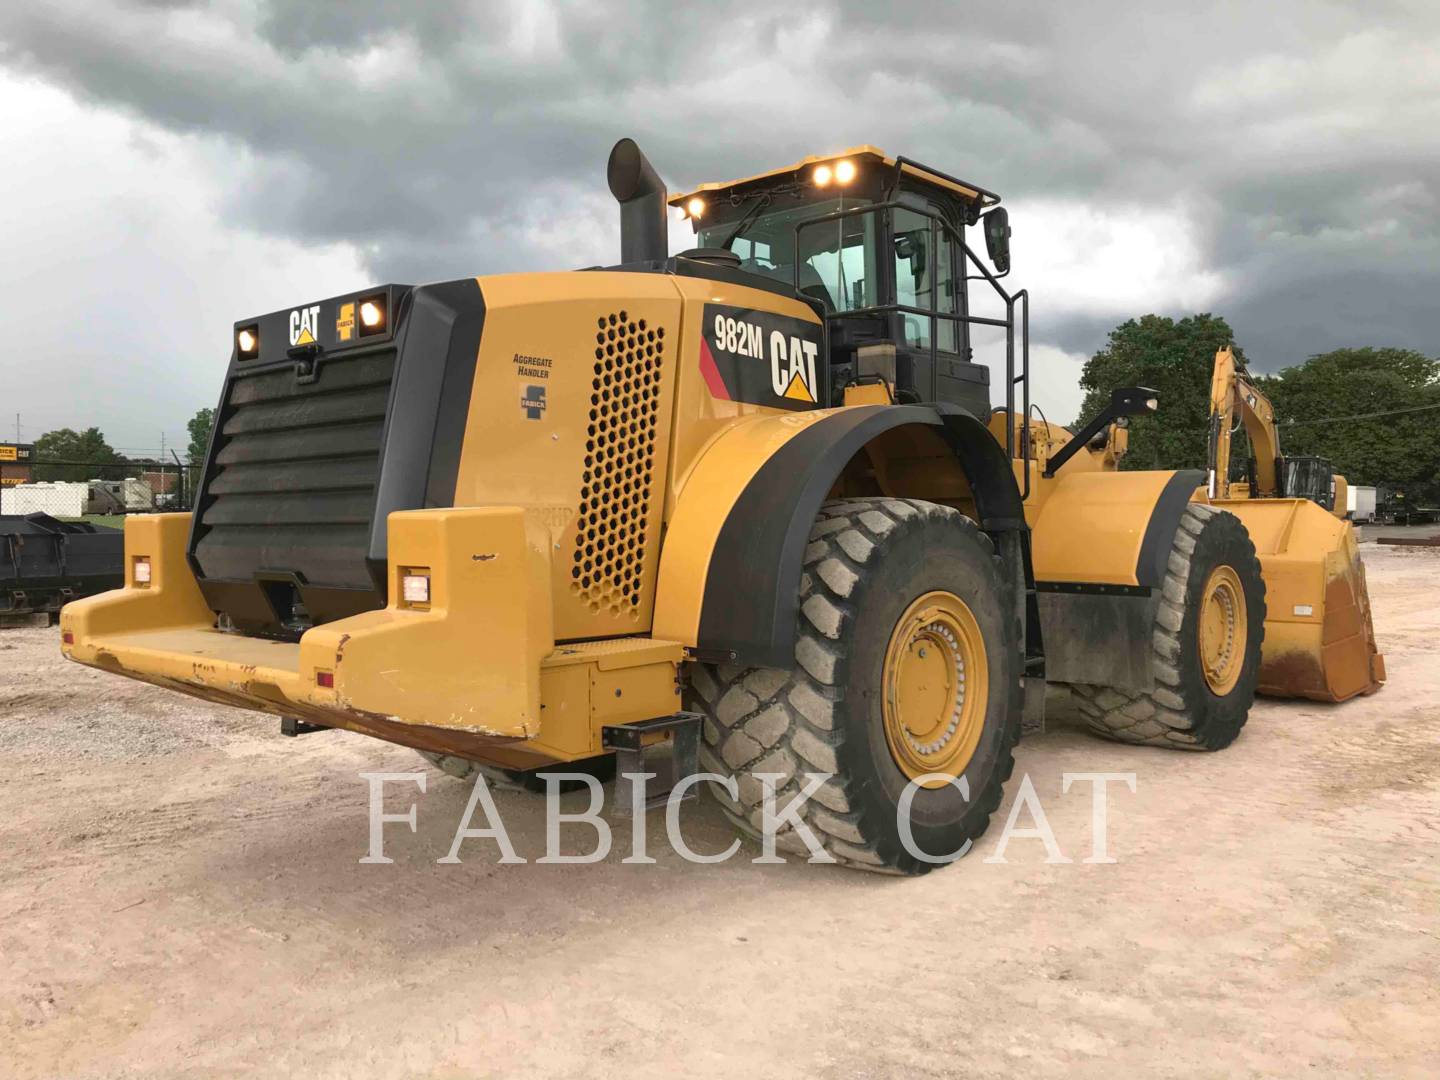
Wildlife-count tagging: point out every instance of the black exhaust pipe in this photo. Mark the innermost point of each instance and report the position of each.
(641, 194)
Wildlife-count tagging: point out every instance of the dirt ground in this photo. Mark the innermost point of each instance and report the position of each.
(181, 895)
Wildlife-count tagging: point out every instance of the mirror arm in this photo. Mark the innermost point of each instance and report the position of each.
(1126, 401)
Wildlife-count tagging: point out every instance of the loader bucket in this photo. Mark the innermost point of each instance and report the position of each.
(1319, 639)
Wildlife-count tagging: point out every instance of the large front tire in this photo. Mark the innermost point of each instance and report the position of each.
(906, 664)
(1204, 647)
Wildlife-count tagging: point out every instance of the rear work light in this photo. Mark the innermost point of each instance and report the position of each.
(247, 342)
(142, 570)
(373, 314)
(415, 588)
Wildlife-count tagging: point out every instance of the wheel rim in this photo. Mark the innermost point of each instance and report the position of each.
(936, 686)
(1222, 637)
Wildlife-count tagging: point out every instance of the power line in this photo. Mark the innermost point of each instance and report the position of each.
(1359, 416)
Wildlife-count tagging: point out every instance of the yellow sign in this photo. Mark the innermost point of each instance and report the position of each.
(797, 390)
(9, 453)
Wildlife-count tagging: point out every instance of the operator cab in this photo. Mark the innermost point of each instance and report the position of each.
(1308, 477)
(877, 244)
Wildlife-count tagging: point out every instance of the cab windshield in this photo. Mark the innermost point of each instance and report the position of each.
(836, 258)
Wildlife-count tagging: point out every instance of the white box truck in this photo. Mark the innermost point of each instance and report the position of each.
(1360, 503)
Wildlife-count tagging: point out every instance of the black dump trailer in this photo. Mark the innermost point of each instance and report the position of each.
(45, 563)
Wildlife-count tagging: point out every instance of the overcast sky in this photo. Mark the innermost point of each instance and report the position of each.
(173, 167)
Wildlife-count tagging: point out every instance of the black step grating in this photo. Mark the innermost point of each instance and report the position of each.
(294, 472)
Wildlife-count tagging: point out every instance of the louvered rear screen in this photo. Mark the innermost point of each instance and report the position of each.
(296, 468)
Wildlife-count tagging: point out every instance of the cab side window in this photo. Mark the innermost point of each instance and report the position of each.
(925, 280)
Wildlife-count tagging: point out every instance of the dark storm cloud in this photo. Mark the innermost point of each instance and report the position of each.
(1297, 139)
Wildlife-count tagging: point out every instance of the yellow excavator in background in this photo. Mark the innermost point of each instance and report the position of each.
(1319, 638)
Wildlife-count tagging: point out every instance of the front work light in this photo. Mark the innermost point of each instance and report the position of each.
(845, 171)
(372, 314)
(822, 175)
(695, 207)
(247, 342)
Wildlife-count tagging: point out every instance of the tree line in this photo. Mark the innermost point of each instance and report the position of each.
(67, 454)
(1371, 411)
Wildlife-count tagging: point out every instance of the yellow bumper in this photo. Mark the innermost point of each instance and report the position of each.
(456, 674)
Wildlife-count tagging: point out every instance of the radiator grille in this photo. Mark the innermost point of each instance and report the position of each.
(619, 464)
(295, 470)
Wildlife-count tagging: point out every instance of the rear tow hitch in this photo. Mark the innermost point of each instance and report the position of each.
(292, 727)
(669, 760)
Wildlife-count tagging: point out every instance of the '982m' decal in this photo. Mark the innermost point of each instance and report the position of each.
(762, 358)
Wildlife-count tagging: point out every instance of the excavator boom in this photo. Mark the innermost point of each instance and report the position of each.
(1231, 390)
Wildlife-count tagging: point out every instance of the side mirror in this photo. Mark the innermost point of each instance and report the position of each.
(912, 248)
(1133, 401)
(997, 238)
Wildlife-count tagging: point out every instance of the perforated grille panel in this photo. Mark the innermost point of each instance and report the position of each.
(619, 464)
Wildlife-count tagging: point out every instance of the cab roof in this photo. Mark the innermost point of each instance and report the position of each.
(858, 154)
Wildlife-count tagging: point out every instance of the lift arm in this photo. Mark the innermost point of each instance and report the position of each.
(1231, 389)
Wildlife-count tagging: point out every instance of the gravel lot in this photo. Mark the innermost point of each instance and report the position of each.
(182, 896)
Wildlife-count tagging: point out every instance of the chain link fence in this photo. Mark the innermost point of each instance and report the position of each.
(81, 490)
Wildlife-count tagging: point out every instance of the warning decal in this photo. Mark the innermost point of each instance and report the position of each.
(762, 358)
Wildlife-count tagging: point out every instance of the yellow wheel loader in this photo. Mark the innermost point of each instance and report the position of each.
(749, 503)
(1319, 637)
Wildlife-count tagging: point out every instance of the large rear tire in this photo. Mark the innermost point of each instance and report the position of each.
(1204, 647)
(906, 664)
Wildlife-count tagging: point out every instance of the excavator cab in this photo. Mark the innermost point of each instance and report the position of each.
(1309, 477)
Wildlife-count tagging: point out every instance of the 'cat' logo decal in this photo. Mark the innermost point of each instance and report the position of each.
(762, 358)
(304, 325)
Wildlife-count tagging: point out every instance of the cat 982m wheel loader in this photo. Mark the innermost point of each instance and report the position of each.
(752, 497)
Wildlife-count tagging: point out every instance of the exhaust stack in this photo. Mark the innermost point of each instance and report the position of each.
(641, 194)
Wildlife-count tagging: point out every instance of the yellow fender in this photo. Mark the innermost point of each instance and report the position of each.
(730, 566)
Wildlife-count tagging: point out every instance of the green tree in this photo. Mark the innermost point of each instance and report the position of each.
(1173, 358)
(86, 451)
(1312, 400)
(200, 426)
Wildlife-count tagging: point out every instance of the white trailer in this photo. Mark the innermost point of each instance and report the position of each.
(57, 498)
(1360, 503)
